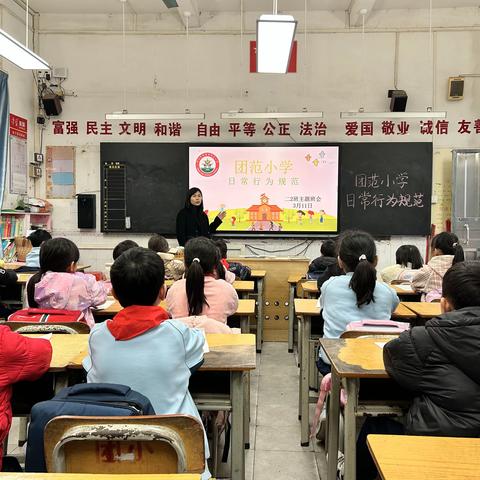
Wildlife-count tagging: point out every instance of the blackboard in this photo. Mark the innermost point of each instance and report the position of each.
(155, 187)
(386, 188)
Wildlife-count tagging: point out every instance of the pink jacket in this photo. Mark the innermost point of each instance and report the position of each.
(71, 291)
(221, 297)
(208, 324)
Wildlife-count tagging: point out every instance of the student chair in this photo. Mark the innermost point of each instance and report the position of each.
(28, 327)
(125, 445)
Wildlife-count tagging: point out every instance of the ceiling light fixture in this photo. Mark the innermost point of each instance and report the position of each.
(154, 116)
(388, 115)
(20, 54)
(275, 34)
(242, 114)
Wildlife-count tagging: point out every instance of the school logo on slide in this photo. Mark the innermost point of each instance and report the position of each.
(207, 164)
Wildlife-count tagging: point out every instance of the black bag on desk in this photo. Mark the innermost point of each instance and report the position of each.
(88, 399)
(241, 271)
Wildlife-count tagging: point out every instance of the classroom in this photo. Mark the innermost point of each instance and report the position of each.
(286, 193)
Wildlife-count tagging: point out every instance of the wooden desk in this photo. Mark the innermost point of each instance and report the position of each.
(310, 289)
(23, 278)
(245, 310)
(351, 359)
(305, 309)
(244, 287)
(424, 309)
(232, 353)
(402, 292)
(292, 286)
(96, 476)
(400, 457)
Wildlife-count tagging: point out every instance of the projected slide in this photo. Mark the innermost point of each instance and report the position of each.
(268, 189)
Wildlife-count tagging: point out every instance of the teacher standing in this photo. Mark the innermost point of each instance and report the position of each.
(192, 221)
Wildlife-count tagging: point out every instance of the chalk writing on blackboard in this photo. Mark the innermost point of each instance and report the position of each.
(372, 190)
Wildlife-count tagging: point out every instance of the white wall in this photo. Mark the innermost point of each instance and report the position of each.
(341, 73)
(21, 87)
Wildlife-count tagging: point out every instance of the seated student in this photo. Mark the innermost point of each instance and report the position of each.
(437, 363)
(201, 292)
(408, 260)
(446, 251)
(59, 285)
(328, 257)
(174, 269)
(332, 270)
(356, 295)
(37, 237)
(21, 359)
(123, 246)
(141, 347)
(222, 247)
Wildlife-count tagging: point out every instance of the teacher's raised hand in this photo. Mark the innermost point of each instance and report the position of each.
(222, 215)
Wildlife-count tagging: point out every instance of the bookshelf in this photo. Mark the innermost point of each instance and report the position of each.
(16, 223)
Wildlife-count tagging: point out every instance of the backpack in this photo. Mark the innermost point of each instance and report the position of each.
(241, 271)
(43, 315)
(86, 399)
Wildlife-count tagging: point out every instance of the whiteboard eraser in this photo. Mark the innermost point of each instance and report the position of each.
(128, 223)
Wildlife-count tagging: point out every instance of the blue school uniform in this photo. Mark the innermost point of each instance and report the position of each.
(141, 348)
(339, 306)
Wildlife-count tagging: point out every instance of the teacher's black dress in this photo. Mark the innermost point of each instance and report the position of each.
(192, 222)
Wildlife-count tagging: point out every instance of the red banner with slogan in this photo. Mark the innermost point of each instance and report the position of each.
(18, 126)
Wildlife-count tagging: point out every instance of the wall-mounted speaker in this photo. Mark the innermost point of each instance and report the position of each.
(52, 105)
(455, 88)
(398, 102)
(86, 208)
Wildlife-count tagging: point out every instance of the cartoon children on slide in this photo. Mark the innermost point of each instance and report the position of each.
(300, 215)
(322, 213)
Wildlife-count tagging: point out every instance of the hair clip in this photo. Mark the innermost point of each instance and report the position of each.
(362, 257)
(196, 260)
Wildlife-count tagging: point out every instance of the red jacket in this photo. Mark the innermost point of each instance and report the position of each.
(21, 358)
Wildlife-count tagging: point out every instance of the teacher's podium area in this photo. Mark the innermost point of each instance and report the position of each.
(275, 452)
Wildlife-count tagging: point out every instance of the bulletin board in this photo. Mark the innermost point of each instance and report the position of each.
(60, 172)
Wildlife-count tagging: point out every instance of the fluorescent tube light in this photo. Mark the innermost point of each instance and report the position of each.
(226, 115)
(19, 54)
(154, 116)
(389, 115)
(275, 35)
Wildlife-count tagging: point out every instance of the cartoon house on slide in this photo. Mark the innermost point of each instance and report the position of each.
(264, 212)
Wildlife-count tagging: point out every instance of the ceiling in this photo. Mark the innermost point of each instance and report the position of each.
(157, 6)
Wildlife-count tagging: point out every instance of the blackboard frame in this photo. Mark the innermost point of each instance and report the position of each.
(316, 235)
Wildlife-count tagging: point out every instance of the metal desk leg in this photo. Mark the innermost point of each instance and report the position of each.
(245, 324)
(246, 415)
(291, 317)
(238, 444)
(61, 381)
(351, 386)
(304, 369)
(260, 314)
(333, 416)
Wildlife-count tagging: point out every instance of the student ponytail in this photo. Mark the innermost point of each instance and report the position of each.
(195, 284)
(448, 244)
(358, 255)
(201, 258)
(56, 255)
